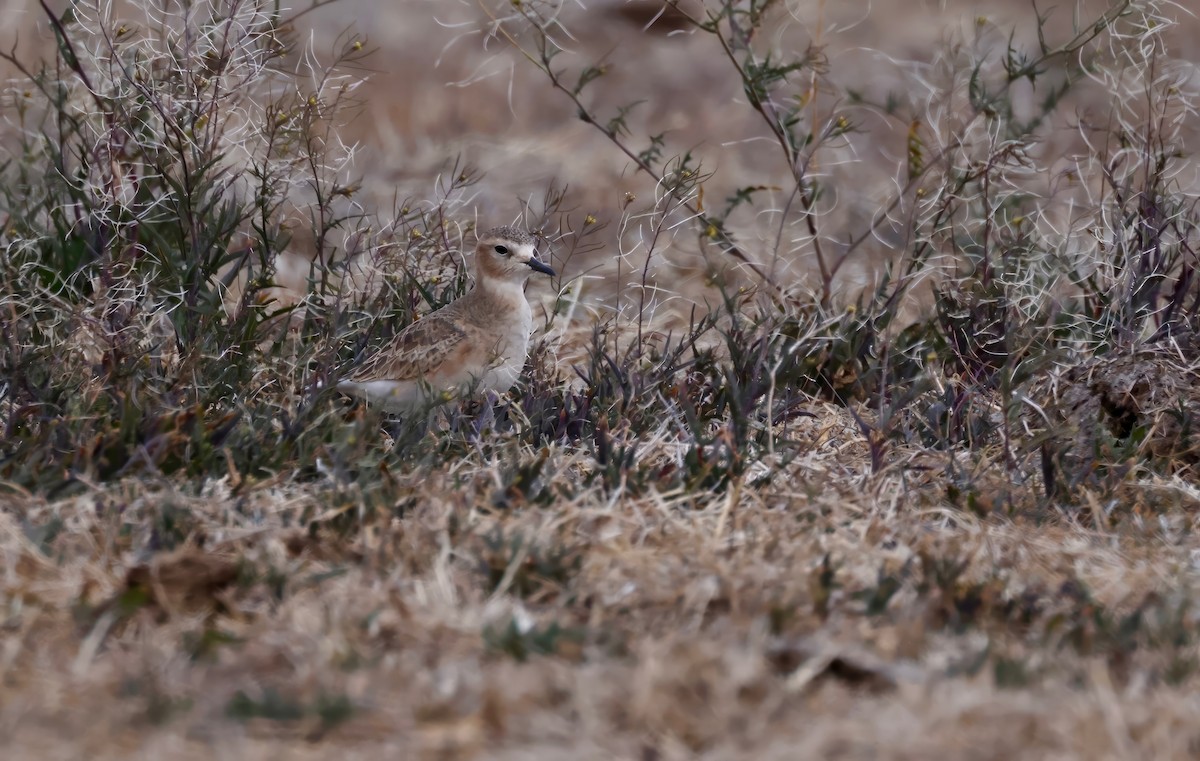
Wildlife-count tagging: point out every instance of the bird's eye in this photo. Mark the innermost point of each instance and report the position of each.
(503, 250)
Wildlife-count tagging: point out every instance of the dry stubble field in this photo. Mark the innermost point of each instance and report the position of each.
(971, 534)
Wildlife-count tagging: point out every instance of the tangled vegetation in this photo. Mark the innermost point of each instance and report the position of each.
(906, 455)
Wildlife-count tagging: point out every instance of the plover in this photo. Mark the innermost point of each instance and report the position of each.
(477, 343)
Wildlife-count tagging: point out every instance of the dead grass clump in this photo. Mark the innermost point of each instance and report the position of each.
(1146, 398)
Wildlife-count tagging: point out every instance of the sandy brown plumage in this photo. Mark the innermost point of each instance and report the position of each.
(478, 342)
(415, 351)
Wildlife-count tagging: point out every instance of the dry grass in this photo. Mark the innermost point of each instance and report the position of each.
(691, 625)
(725, 517)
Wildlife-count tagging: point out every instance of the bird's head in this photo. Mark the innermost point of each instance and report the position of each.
(508, 254)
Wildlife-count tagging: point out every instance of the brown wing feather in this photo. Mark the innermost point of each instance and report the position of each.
(415, 352)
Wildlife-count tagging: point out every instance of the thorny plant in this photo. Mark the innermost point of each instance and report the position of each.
(1023, 274)
(182, 156)
(160, 169)
(165, 168)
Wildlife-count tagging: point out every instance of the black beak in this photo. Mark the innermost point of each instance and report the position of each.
(537, 266)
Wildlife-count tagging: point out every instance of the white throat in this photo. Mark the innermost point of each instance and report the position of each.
(504, 289)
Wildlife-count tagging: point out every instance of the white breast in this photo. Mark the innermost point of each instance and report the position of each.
(512, 349)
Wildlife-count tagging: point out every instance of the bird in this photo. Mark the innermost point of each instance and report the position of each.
(478, 342)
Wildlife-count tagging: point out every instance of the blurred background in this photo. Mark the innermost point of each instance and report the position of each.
(444, 91)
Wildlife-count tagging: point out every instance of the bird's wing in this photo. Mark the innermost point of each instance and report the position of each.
(415, 352)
